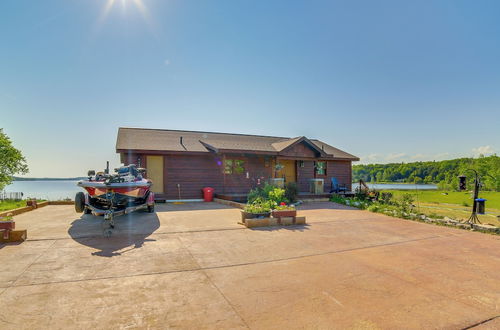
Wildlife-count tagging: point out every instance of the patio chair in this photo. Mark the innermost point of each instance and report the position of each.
(337, 187)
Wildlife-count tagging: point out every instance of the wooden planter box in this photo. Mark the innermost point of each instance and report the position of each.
(284, 213)
(246, 215)
(13, 236)
(265, 222)
(8, 225)
(251, 223)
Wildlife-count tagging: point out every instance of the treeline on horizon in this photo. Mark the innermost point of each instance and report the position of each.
(15, 178)
(443, 173)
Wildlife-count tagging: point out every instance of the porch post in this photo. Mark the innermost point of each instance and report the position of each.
(224, 173)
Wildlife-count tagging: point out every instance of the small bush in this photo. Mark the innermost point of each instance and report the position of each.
(260, 192)
(374, 208)
(361, 194)
(254, 194)
(405, 202)
(337, 199)
(386, 197)
(277, 195)
(267, 194)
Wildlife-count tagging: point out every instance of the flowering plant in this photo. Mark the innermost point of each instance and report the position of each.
(258, 206)
(284, 207)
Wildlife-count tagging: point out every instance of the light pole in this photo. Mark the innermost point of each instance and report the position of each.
(477, 185)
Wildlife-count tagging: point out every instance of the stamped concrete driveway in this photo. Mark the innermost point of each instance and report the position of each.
(193, 266)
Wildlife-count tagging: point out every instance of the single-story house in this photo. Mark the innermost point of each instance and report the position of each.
(181, 163)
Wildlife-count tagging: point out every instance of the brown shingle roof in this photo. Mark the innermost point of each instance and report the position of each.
(193, 141)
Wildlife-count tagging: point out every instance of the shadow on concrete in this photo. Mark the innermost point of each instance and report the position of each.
(288, 228)
(131, 231)
(2, 245)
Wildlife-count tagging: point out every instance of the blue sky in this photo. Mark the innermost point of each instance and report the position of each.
(385, 80)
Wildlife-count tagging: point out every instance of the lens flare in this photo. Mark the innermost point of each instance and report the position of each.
(139, 4)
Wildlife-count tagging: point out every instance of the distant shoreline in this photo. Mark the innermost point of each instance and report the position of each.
(49, 179)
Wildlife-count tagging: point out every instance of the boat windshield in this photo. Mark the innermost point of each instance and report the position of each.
(128, 169)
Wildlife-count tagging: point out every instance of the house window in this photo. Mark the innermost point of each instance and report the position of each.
(238, 166)
(228, 166)
(234, 166)
(321, 168)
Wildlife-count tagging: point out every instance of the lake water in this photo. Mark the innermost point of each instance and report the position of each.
(50, 190)
(57, 190)
(397, 186)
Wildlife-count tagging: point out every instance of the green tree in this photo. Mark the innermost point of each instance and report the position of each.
(11, 161)
(444, 172)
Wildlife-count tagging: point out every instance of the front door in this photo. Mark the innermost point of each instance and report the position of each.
(154, 172)
(289, 170)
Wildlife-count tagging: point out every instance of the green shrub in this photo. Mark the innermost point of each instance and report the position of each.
(337, 199)
(259, 205)
(257, 208)
(374, 207)
(277, 195)
(268, 192)
(361, 194)
(260, 192)
(255, 194)
(405, 202)
(385, 197)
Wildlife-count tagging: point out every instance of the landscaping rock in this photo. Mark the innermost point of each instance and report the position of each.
(300, 220)
(251, 223)
(487, 228)
(286, 221)
(273, 221)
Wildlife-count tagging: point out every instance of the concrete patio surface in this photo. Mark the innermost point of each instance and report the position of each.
(193, 266)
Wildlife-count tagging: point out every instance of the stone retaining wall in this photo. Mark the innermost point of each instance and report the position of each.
(22, 209)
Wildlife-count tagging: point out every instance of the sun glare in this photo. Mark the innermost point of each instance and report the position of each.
(110, 4)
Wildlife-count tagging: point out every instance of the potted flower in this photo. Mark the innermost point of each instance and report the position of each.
(284, 210)
(257, 209)
(7, 223)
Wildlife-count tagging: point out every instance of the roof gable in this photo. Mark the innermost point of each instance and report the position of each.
(299, 147)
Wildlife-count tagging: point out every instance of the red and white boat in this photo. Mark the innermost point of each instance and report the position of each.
(115, 194)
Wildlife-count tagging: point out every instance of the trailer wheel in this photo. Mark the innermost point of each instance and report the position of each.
(151, 208)
(80, 202)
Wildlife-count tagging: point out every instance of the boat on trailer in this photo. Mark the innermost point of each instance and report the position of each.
(112, 195)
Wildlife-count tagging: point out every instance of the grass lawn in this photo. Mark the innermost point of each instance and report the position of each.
(453, 204)
(10, 204)
(452, 197)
